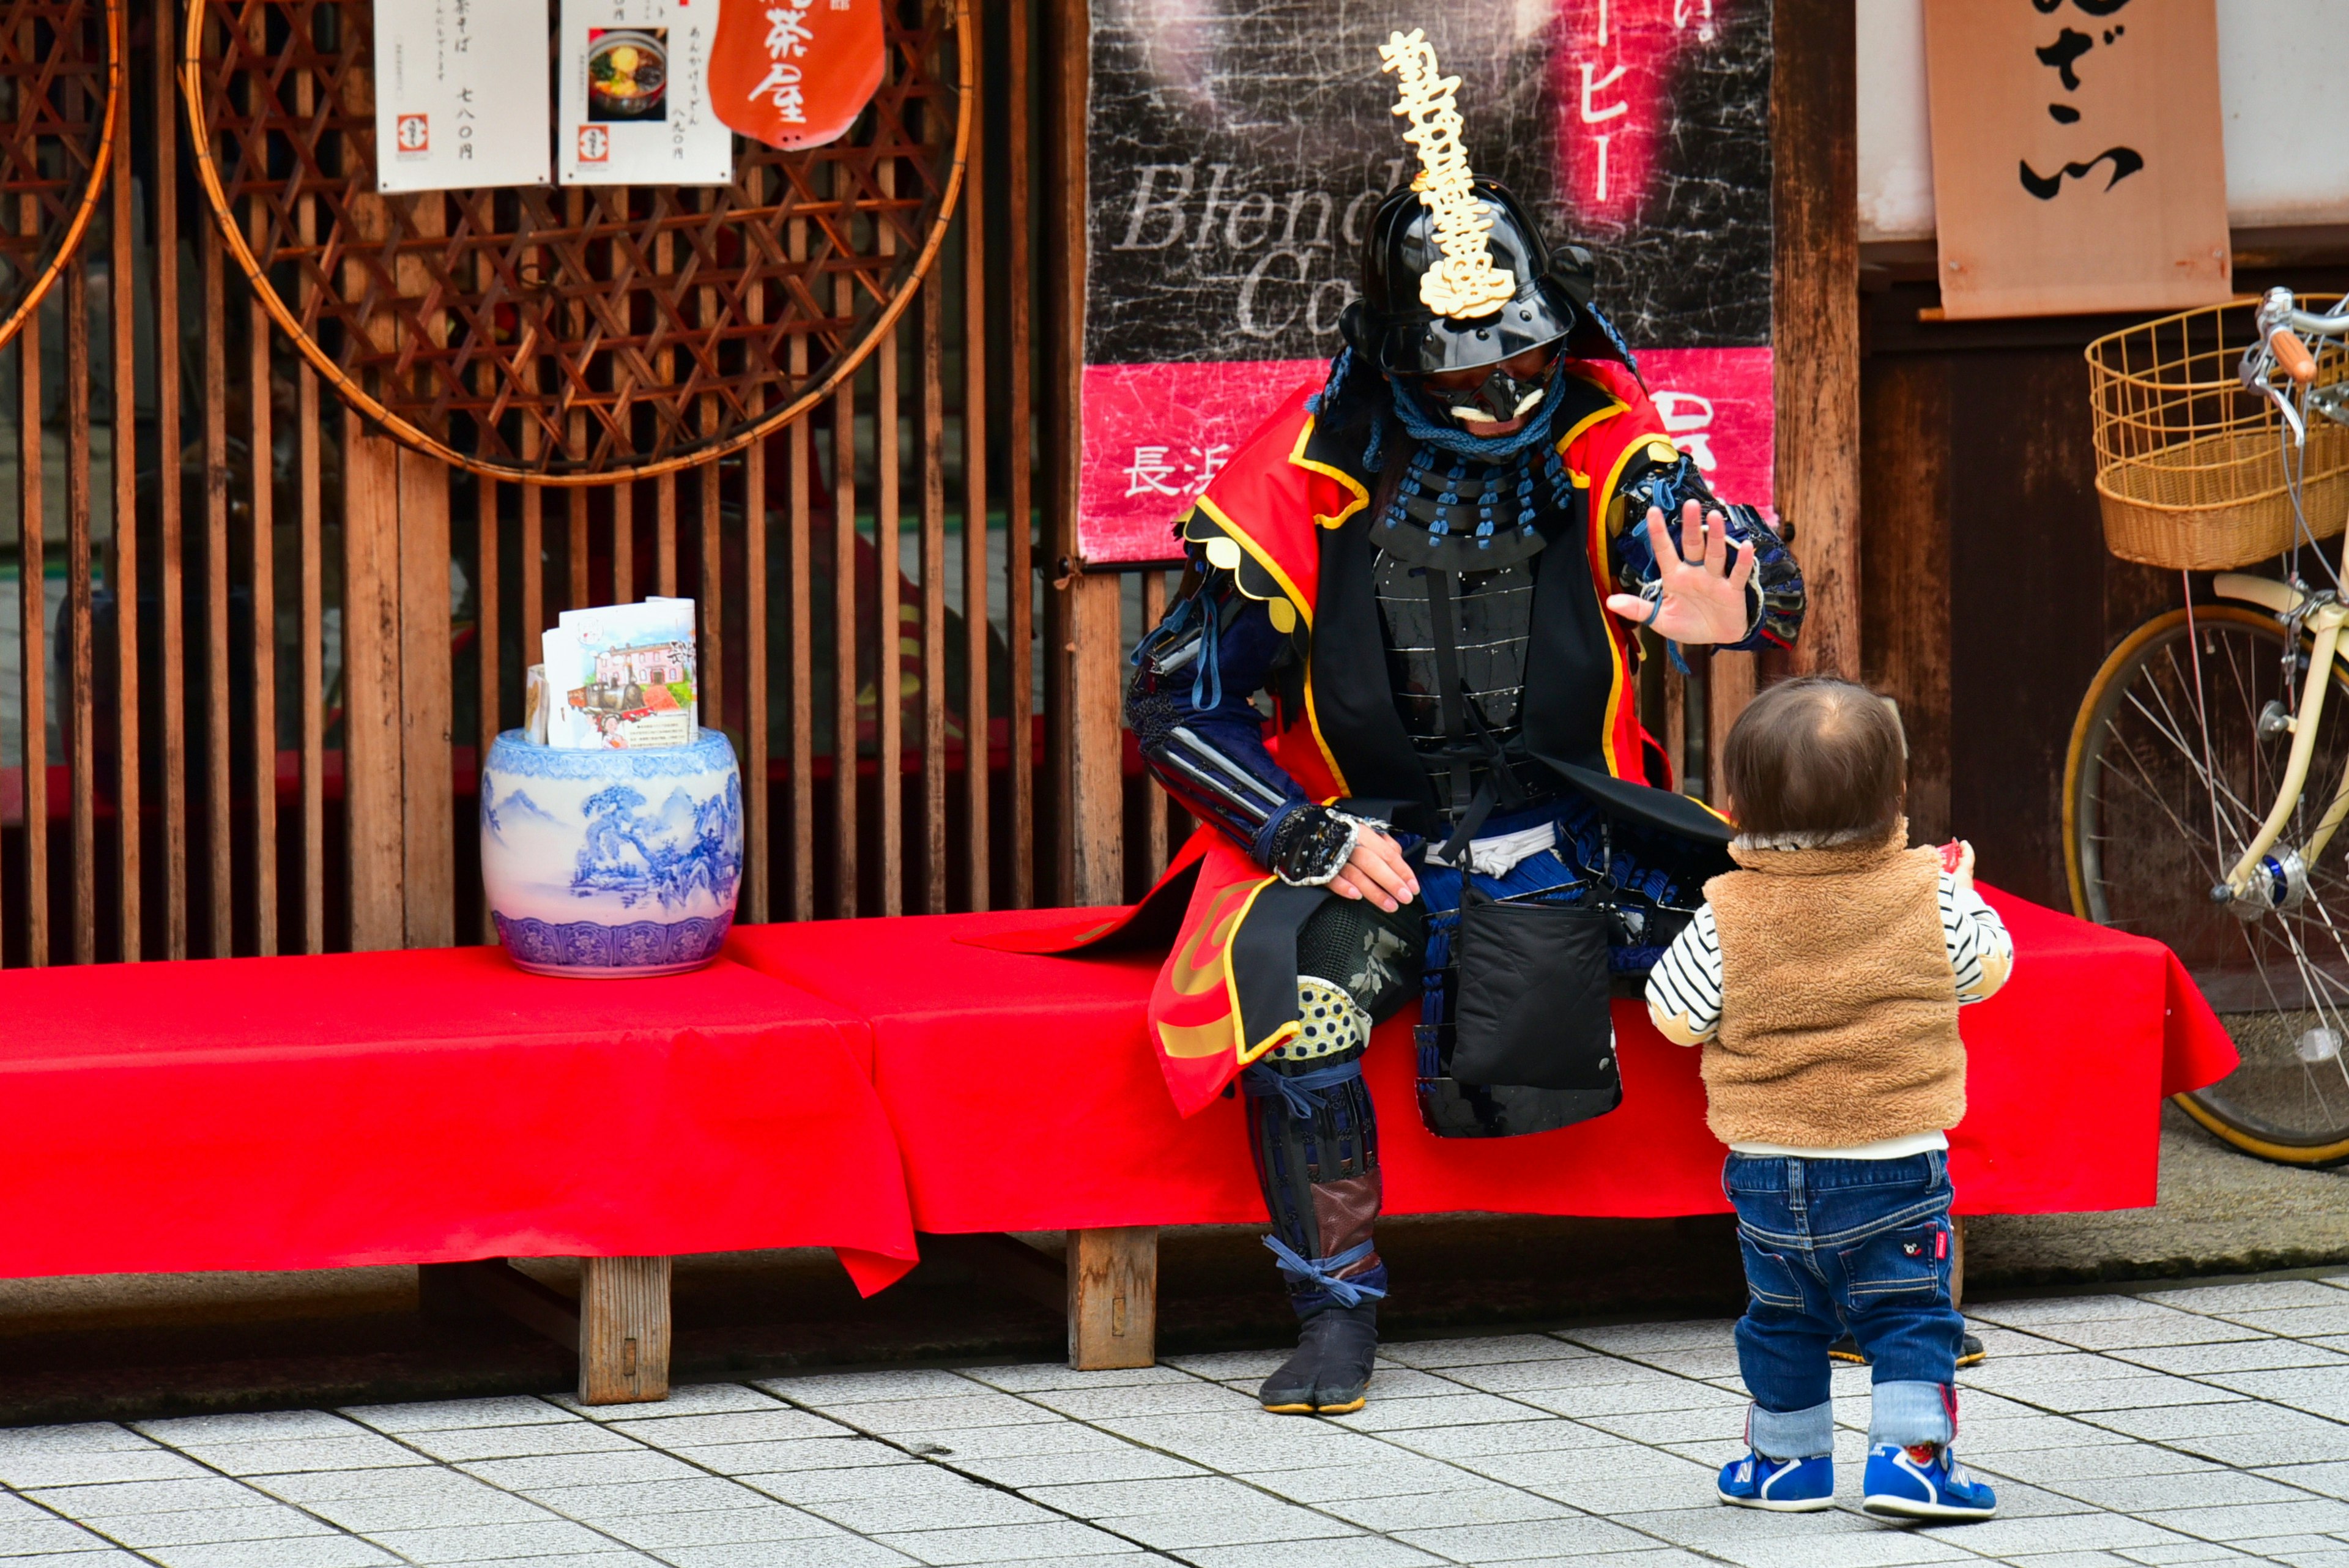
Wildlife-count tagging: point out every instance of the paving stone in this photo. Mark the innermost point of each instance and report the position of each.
(773, 1424)
(480, 1505)
(907, 1484)
(2258, 1295)
(2297, 1322)
(260, 1427)
(2082, 1395)
(358, 1450)
(102, 1556)
(2004, 1345)
(2234, 1356)
(1104, 1500)
(1061, 1539)
(426, 1484)
(596, 1504)
(83, 1437)
(455, 1415)
(2306, 1515)
(324, 1551)
(2320, 1391)
(1647, 1396)
(797, 1454)
(45, 1535)
(668, 1533)
(2132, 1333)
(1347, 1552)
(2326, 1480)
(1586, 1371)
(1465, 1444)
(33, 1468)
(539, 1471)
(1192, 1393)
(1241, 1365)
(262, 1520)
(1573, 1536)
(977, 1507)
(1457, 1506)
(1395, 1475)
(693, 1399)
(2031, 1314)
(1462, 1409)
(2071, 1532)
(149, 1497)
(1266, 1521)
(833, 1551)
(1125, 1463)
(1479, 1351)
(1053, 1374)
(459, 1445)
(1631, 1338)
(828, 1388)
(1720, 1424)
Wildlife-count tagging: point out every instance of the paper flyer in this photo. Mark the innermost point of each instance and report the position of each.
(634, 106)
(622, 677)
(454, 107)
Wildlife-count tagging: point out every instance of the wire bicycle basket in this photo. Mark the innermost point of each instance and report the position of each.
(2190, 465)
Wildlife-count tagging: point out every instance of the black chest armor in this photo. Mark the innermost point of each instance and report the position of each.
(1453, 573)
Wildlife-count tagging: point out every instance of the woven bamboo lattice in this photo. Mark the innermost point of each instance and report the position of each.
(2189, 465)
(568, 336)
(60, 78)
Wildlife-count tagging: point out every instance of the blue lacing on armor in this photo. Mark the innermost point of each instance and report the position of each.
(1321, 1274)
(1300, 1091)
(1616, 338)
(1340, 369)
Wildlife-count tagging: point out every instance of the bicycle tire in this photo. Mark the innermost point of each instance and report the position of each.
(2087, 760)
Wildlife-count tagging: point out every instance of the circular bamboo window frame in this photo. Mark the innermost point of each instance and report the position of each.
(530, 251)
(46, 260)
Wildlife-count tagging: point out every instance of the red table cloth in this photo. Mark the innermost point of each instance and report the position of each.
(1026, 1097)
(431, 1106)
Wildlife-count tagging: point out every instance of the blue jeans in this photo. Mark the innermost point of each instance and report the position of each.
(1833, 1245)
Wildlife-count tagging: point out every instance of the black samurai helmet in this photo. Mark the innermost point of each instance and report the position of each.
(1395, 330)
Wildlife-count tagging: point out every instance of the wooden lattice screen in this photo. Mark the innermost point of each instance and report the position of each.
(330, 465)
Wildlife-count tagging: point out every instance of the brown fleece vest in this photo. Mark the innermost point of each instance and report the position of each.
(1839, 1010)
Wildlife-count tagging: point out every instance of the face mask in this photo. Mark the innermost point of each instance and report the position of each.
(1500, 396)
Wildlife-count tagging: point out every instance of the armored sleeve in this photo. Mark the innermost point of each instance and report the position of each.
(1774, 597)
(1192, 708)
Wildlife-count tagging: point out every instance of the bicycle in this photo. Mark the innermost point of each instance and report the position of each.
(2205, 789)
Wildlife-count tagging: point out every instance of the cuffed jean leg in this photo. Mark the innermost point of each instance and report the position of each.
(1791, 1434)
(1907, 1413)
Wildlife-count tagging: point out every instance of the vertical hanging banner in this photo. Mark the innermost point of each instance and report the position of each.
(795, 72)
(2078, 159)
(456, 107)
(1235, 154)
(634, 100)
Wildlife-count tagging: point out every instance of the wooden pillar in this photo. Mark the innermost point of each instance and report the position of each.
(618, 1328)
(1096, 657)
(1814, 322)
(623, 1330)
(397, 775)
(1112, 1297)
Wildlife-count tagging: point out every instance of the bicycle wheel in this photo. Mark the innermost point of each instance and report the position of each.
(2175, 758)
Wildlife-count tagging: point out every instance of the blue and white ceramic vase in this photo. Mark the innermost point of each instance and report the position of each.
(612, 864)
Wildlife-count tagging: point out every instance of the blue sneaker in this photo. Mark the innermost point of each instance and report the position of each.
(1782, 1486)
(1922, 1483)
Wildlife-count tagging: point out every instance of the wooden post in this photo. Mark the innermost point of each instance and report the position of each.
(1112, 1297)
(1957, 1260)
(1815, 323)
(623, 1330)
(428, 849)
(618, 1328)
(1096, 660)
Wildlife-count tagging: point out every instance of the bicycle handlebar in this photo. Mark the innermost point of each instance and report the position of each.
(2291, 354)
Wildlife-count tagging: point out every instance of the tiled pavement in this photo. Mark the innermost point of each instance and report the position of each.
(2195, 1425)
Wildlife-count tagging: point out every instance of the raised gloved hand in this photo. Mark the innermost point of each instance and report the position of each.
(1700, 593)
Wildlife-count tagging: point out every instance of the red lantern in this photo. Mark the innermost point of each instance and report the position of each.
(795, 72)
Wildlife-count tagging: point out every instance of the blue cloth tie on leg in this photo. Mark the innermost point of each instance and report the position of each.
(1321, 1274)
(1302, 1092)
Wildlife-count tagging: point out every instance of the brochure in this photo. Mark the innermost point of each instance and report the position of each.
(622, 677)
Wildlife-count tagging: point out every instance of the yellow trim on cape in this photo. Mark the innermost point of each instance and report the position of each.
(1239, 536)
(1598, 560)
(1280, 1036)
(1296, 456)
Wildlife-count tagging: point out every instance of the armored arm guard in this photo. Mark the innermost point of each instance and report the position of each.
(1190, 708)
(1774, 593)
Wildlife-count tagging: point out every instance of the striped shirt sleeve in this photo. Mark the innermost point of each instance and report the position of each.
(1684, 988)
(1981, 954)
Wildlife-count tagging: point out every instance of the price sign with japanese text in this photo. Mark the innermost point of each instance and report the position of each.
(635, 101)
(1235, 154)
(458, 103)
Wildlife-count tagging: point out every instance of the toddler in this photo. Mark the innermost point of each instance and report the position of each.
(1824, 978)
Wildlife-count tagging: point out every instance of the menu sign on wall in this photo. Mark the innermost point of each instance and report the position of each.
(457, 105)
(633, 107)
(1235, 154)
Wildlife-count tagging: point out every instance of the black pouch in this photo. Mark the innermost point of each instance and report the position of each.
(1532, 1009)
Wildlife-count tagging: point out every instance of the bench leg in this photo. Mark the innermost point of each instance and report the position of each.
(1113, 1297)
(623, 1330)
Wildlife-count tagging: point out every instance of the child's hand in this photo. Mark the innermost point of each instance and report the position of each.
(1958, 860)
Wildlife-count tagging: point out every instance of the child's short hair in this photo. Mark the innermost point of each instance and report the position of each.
(1815, 760)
